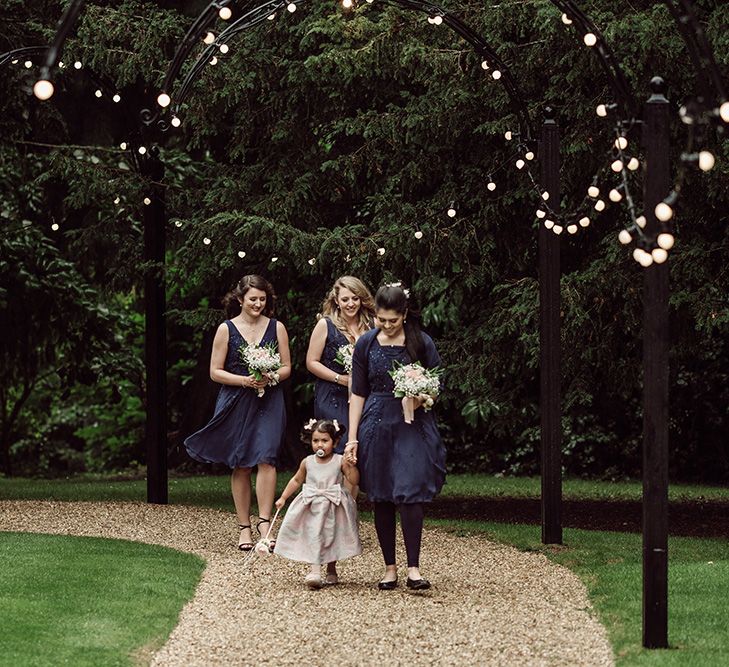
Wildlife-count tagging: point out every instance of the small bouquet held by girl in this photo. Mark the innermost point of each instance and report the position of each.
(262, 361)
(321, 524)
(413, 381)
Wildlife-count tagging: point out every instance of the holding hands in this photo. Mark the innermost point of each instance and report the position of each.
(350, 452)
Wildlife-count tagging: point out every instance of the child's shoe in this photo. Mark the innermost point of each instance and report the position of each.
(313, 580)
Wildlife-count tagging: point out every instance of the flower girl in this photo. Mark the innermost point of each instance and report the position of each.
(321, 524)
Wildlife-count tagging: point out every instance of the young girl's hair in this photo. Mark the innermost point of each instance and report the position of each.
(332, 427)
(331, 310)
(395, 297)
(232, 304)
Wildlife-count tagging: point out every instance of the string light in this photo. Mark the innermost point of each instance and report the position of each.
(438, 19)
(491, 186)
(664, 212)
(615, 195)
(520, 163)
(640, 221)
(724, 112)
(451, 211)
(593, 191)
(665, 240)
(484, 64)
(418, 235)
(572, 229)
(617, 166)
(178, 223)
(77, 64)
(163, 99)
(706, 161)
(659, 255)
(347, 4)
(291, 7)
(621, 143)
(529, 155)
(241, 253)
(98, 93)
(549, 224)
(312, 261)
(545, 195)
(147, 201)
(116, 98)
(176, 122)
(624, 237)
(496, 75)
(224, 48)
(61, 64)
(599, 205)
(566, 19)
(642, 257)
(380, 251)
(508, 135)
(601, 110)
(585, 222)
(209, 38)
(43, 89)
(270, 17)
(540, 213)
(206, 241)
(557, 229)
(123, 145)
(214, 60)
(141, 150)
(589, 39)
(55, 227)
(633, 163)
(225, 13)
(28, 64)
(117, 200)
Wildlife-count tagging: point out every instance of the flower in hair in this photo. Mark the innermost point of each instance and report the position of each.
(309, 425)
(398, 284)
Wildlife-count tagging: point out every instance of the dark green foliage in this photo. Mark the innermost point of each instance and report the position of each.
(325, 137)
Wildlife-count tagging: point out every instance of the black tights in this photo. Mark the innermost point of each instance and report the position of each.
(411, 519)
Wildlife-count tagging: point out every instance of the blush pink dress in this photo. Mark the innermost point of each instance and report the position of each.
(320, 526)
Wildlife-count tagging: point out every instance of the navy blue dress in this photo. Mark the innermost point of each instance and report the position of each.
(331, 401)
(398, 462)
(245, 430)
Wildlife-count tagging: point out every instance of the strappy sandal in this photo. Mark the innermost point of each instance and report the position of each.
(272, 541)
(244, 546)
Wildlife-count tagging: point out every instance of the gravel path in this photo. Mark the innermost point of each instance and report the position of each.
(514, 609)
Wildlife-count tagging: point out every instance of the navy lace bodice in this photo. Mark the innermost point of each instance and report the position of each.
(233, 363)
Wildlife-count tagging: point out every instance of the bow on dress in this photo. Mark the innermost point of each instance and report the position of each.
(332, 493)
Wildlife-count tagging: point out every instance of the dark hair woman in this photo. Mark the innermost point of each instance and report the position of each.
(401, 464)
(250, 418)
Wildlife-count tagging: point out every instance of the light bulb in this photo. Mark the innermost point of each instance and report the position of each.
(529, 155)
(418, 235)
(617, 166)
(491, 186)
(117, 200)
(646, 259)
(706, 160)
(557, 229)
(291, 7)
(178, 223)
(638, 253)
(601, 110)
(508, 135)
(61, 64)
(659, 255)
(640, 221)
(484, 64)
(54, 226)
(615, 195)
(664, 212)
(545, 195)
(549, 224)
(589, 39)
(176, 122)
(624, 237)
(224, 48)
(43, 89)
(724, 112)
(520, 164)
(123, 145)
(541, 213)
(572, 229)
(225, 13)
(599, 205)
(438, 19)
(163, 99)
(585, 222)
(241, 253)
(270, 17)
(431, 20)
(98, 93)
(77, 64)
(665, 240)
(380, 251)
(214, 60)
(147, 201)
(209, 38)
(116, 98)
(347, 4)
(28, 64)
(593, 191)
(566, 19)
(141, 150)
(633, 163)
(274, 259)
(451, 212)
(496, 75)
(621, 143)
(311, 261)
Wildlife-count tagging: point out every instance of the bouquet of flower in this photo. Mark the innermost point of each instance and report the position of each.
(414, 381)
(344, 357)
(262, 361)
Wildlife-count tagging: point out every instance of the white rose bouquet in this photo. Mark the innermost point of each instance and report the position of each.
(262, 361)
(414, 381)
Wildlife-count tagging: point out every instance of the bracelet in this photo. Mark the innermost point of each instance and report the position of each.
(336, 379)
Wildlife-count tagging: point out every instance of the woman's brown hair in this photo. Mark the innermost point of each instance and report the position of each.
(231, 301)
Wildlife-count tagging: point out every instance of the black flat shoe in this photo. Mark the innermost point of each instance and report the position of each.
(418, 584)
(387, 585)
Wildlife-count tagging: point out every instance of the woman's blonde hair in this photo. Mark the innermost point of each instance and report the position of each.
(331, 310)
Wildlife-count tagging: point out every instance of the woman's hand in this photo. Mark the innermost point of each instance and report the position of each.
(280, 503)
(350, 452)
(343, 380)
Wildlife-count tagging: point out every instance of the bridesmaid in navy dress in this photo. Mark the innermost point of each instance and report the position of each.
(401, 465)
(246, 430)
(347, 312)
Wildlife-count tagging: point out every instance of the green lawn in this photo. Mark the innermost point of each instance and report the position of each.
(214, 491)
(88, 601)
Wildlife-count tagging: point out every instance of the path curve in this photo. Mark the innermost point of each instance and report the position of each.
(515, 609)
